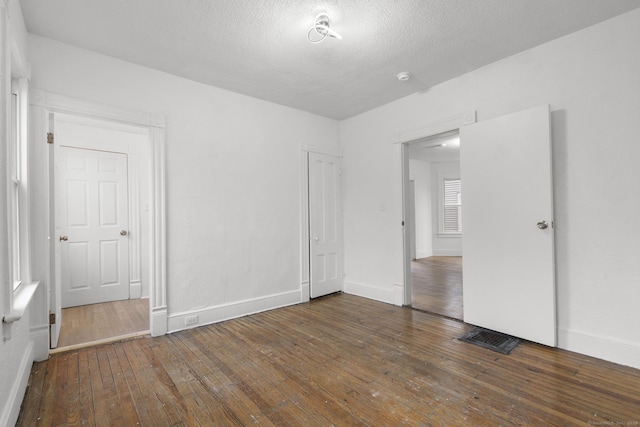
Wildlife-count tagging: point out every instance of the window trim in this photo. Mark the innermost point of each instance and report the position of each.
(14, 184)
(21, 290)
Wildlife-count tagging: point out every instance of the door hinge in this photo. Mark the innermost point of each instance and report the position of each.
(49, 138)
(52, 318)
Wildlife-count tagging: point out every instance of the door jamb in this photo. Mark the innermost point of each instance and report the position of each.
(402, 140)
(155, 123)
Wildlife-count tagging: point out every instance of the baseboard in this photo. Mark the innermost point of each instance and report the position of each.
(606, 348)
(304, 291)
(423, 254)
(371, 292)
(11, 409)
(135, 290)
(447, 252)
(158, 321)
(40, 339)
(206, 316)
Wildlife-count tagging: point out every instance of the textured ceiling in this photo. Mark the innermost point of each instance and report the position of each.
(260, 48)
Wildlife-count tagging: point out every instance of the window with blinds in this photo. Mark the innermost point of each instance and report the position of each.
(452, 215)
(14, 192)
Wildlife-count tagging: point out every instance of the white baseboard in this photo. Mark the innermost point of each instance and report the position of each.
(613, 350)
(371, 292)
(40, 339)
(158, 321)
(447, 252)
(135, 290)
(233, 310)
(423, 254)
(304, 291)
(11, 408)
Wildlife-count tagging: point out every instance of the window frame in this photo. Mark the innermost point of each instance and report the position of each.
(17, 202)
(13, 192)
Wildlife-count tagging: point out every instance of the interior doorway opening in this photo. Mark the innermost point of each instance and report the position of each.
(433, 228)
(102, 258)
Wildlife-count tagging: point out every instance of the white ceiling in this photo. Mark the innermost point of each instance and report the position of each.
(260, 48)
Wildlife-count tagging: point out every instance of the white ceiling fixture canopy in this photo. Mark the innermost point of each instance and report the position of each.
(258, 47)
(322, 29)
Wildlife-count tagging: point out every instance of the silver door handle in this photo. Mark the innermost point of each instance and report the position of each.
(123, 232)
(64, 238)
(542, 225)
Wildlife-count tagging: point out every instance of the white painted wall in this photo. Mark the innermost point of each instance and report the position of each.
(233, 177)
(22, 341)
(443, 245)
(590, 79)
(420, 173)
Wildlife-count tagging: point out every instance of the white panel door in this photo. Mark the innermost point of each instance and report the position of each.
(92, 216)
(508, 237)
(325, 225)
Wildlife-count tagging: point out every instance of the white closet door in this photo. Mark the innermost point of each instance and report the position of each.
(325, 225)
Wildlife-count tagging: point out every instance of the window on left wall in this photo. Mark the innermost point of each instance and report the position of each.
(15, 202)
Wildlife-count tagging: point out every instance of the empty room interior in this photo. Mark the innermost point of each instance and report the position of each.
(320, 213)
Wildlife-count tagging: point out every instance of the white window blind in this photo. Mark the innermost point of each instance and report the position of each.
(452, 206)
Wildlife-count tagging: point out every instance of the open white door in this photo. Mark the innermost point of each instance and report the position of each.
(92, 218)
(325, 225)
(55, 290)
(507, 212)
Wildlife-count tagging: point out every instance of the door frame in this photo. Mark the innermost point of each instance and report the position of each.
(402, 293)
(42, 105)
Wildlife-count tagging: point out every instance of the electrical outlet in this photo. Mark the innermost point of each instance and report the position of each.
(191, 320)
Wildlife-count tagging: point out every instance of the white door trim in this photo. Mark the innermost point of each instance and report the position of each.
(402, 294)
(44, 103)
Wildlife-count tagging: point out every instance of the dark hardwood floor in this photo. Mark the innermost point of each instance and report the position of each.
(95, 322)
(436, 285)
(339, 360)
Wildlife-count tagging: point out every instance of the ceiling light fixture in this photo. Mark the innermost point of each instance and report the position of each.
(321, 27)
(404, 76)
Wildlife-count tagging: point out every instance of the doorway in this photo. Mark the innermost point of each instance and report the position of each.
(509, 265)
(102, 255)
(434, 224)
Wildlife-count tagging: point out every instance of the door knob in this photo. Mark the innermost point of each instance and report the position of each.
(316, 238)
(123, 232)
(542, 225)
(64, 238)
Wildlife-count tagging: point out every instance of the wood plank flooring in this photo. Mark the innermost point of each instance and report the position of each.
(101, 321)
(436, 285)
(339, 360)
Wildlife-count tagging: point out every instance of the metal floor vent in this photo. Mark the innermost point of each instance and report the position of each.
(496, 341)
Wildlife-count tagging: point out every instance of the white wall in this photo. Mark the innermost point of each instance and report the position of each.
(420, 173)
(233, 178)
(590, 79)
(443, 245)
(22, 341)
